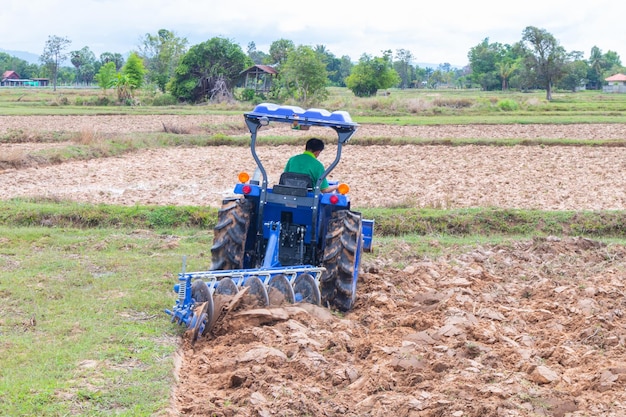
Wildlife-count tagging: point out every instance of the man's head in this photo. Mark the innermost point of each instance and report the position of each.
(315, 146)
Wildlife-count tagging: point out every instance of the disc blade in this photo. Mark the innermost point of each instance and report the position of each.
(257, 294)
(226, 286)
(280, 290)
(306, 290)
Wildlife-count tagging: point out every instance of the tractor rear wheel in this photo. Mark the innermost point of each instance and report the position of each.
(229, 235)
(341, 260)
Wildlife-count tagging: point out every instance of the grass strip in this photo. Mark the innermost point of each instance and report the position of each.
(388, 221)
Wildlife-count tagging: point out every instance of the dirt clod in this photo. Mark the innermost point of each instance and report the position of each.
(483, 351)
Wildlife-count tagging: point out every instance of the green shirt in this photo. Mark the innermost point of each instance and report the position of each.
(307, 163)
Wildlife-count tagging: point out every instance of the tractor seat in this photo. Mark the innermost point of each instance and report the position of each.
(295, 184)
(296, 180)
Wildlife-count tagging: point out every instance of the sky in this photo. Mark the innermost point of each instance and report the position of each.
(434, 32)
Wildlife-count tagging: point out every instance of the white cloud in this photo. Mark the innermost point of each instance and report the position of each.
(435, 32)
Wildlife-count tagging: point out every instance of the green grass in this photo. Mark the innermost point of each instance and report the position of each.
(37, 212)
(395, 221)
(45, 101)
(410, 106)
(82, 328)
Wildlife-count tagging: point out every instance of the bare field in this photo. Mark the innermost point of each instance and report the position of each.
(534, 328)
(533, 177)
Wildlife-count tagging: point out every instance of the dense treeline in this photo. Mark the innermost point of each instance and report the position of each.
(211, 70)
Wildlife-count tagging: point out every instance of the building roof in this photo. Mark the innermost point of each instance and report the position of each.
(263, 68)
(10, 74)
(616, 77)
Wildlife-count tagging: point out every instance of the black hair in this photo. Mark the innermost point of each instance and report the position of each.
(314, 144)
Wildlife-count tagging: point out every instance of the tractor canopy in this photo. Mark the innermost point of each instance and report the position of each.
(301, 119)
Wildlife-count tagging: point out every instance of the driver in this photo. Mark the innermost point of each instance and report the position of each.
(307, 163)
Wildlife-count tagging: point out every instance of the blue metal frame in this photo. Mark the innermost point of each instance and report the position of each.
(183, 311)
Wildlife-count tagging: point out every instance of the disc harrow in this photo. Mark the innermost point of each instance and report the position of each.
(197, 306)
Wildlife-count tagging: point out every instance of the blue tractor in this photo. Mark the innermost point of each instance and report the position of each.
(283, 243)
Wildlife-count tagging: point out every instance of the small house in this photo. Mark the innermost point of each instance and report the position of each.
(12, 79)
(258, 78)
(615, 84)
(9, 77)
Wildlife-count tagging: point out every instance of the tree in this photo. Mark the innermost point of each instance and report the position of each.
(54, 55)
(403, 67)
(575, 75)
(206, 64)
(371, 74)
(304, 76)
(258, 57)
(124, 88)
(279, 50)
(134, 71)
(483, 60)
(162, 53)
(337, 69)
(505, 69)
(345, 67)
(421, 75)
(83, 60)
(596, 67)
(612, 59)
(549, 58)
(22, 67)
(602, 65)
(112, 57)
(106, 76)
(436, 78)
(128, 80)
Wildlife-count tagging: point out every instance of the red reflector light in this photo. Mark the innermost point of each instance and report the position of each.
(246, 189)
(334, 199)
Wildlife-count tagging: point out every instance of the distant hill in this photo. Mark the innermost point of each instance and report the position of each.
(26, 56)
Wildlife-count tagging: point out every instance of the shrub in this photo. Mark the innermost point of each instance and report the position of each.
(247, 94)
(417, 105)
(164, 100)
(454, 103)
(508, 105)
(103, 101)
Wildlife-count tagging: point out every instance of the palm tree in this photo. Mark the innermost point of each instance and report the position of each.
(506, 68)
(596, 66)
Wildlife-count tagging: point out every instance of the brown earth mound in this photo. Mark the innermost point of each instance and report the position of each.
(532, 329)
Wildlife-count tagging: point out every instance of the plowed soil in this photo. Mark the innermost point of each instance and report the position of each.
(534, 177)
(534, 328)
